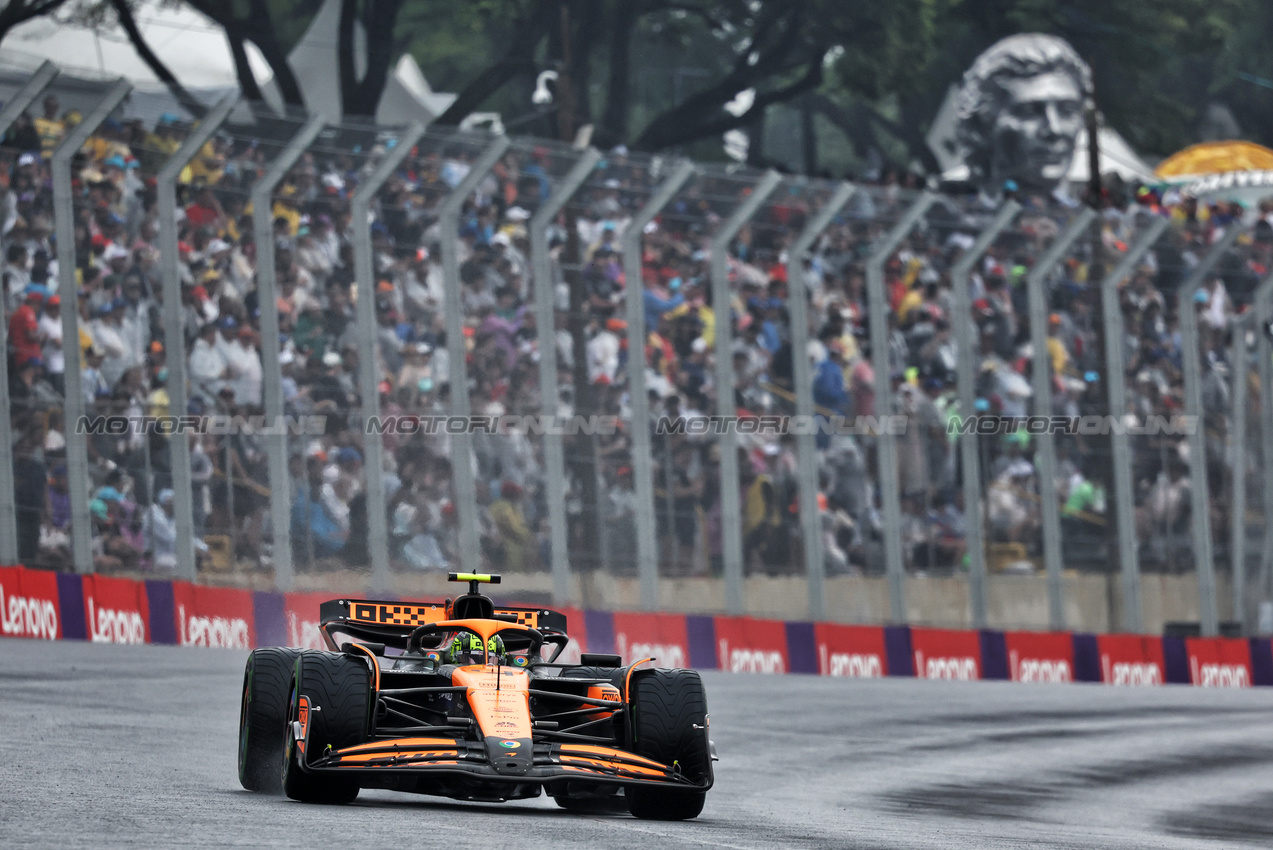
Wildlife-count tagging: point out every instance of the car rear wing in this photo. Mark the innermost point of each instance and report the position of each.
(405, 616)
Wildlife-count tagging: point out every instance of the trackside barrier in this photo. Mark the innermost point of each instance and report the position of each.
(102, 609)
(947, 654)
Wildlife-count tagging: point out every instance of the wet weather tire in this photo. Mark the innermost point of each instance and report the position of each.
(339, 691)
(266, 687)
(669, 725)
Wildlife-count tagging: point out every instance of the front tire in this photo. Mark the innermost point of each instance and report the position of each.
(669, 725)
(339, 686)
(266, 681)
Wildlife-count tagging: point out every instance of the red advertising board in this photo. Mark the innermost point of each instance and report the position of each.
(116, 610)
(659, 636)
(1040, 656)
(213, 616)
(744, 645)
(851, 651)
(29, 604)
(300, 619)
(1219, 662)
(577, 628)
(1131, 660)
(946, 654)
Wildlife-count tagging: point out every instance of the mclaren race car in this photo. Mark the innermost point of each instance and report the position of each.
(468, 701)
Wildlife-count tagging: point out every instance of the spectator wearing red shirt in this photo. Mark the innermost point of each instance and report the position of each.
(24, 328)
(205, 211)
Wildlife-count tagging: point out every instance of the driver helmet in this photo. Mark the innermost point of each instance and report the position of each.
(467, 648)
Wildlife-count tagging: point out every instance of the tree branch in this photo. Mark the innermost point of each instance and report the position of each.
(689, 131)
(156, 65)
(672, 123)
(18, 11)
(519, 57)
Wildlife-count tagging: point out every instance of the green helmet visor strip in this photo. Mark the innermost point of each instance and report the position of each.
(467, 648)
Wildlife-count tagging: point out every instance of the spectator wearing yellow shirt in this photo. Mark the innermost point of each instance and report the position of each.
(285, 208)
(1062, 363)
(49, 127)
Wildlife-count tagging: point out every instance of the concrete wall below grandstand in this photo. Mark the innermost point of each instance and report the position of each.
(1093, 603)
(60, 606)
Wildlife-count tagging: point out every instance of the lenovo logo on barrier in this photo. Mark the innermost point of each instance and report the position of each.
(667, 655)
(21, 616)
(216, 632)
(751, 660)
(1131, 673)
(1220, 675)
(1040, 669)
(849, 664)
(956, 669)
(106, 625)
(303, 634)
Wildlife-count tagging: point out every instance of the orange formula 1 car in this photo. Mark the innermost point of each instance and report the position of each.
(459, 700)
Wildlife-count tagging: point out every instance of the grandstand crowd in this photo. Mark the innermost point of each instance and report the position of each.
(123, 361)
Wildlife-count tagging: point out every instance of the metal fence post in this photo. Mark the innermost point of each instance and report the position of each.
(17, 105)
(877, 305)
(462, 443)
(731, 507)
(1200, 497)
(1241, 358)
(1115, 376)
(802, 378)
(970, 462)
(1264, 364)
(634, 305)
(174, 332)
(545, 311)
(368, 384)
(1045, 449)
(267, 298)
(64, 214)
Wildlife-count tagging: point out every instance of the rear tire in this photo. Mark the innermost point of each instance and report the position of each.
(262, 715)
(667, 707)
(340, 687)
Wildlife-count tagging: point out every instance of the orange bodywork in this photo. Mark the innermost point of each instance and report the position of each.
(500, 701)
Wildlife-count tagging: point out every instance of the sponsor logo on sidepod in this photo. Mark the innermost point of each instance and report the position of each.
(751, 660)
(217, 632)
(106, 625)
(21, 616)
(668, 655)
(849, 664)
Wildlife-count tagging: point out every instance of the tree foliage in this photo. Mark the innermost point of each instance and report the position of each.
(658, 74)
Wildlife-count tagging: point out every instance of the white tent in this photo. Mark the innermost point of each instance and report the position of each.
(196, 51)
(192, 46)
(407, 96)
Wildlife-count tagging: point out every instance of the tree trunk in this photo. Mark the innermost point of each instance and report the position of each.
(259, 29)
(614, 122)
(585, 22)
(808, 136)
(362, 97)
(156, 65)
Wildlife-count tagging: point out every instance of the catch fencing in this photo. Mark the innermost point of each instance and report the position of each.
(928, 525)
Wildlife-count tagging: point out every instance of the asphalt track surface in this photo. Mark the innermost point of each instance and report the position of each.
(105, 746)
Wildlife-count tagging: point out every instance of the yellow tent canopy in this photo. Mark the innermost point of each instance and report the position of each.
(1216, 158)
